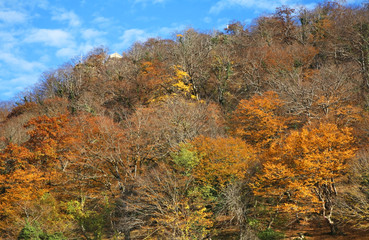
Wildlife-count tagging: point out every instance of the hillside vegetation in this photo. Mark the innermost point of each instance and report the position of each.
(257, 132)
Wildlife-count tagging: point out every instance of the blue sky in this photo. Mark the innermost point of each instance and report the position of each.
(40, 35)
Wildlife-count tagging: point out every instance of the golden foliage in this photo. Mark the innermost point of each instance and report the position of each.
(221, 160)
(258, 120)
(20, 183)
(308, 162)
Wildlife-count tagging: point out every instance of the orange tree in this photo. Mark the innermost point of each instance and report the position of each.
(37, 166)
(20, 183)
(52, 140)
(303, 171)
(258, 121)
(98, 175)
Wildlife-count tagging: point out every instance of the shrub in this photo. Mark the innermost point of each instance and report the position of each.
(270, 234)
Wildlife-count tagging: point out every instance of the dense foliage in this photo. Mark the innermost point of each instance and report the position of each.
(243, 134)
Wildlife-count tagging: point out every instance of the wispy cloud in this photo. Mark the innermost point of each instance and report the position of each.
(12, 17)
(27, 49)
(66, 52)
(260, 4)
(18, 62)
(72, 52)
(66, 16)
(24, 5)
(90, 33)
(17, 84)
(7, 40)
(133, 35)
(50, 37)
(102, 22)
(17, 73)
(149, 1)
(166, 31)
(130, 36)
(356, 2)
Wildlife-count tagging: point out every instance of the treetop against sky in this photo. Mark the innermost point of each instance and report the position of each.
(39, 35)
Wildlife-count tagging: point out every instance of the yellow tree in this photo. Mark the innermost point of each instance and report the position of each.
(221, 160)
(304, 169)
(258, 121)
(177, 201)
(214, 164)
(169, 208)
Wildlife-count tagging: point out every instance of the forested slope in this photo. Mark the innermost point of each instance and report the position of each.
(254, 132)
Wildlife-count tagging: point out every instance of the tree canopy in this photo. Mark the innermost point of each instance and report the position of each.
(254, 132)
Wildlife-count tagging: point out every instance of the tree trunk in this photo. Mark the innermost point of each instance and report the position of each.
(127, 234)
(332, 225)
(247, 234)
(333, 228)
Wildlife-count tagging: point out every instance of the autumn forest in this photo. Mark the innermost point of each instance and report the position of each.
(254, 132)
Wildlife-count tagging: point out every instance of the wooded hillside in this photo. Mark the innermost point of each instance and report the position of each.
(257, 132)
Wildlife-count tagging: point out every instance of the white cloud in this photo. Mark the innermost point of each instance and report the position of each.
(42, 4)
(6, 92)
(7, 40)
(133, 35)
(50, 37)
(130, 36)
(309, 6)
(166, 31)
(24, 5)
(12, 17)
(66, 52)
(66, 16)
(24, 80)
(85, 48)
(72, 52)
(149, 1)
(259, 4)
(102, 22)
(19, 63)
(358, 2)
(16, 84)
(45, 58)
(88, 34)
(17, 74)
